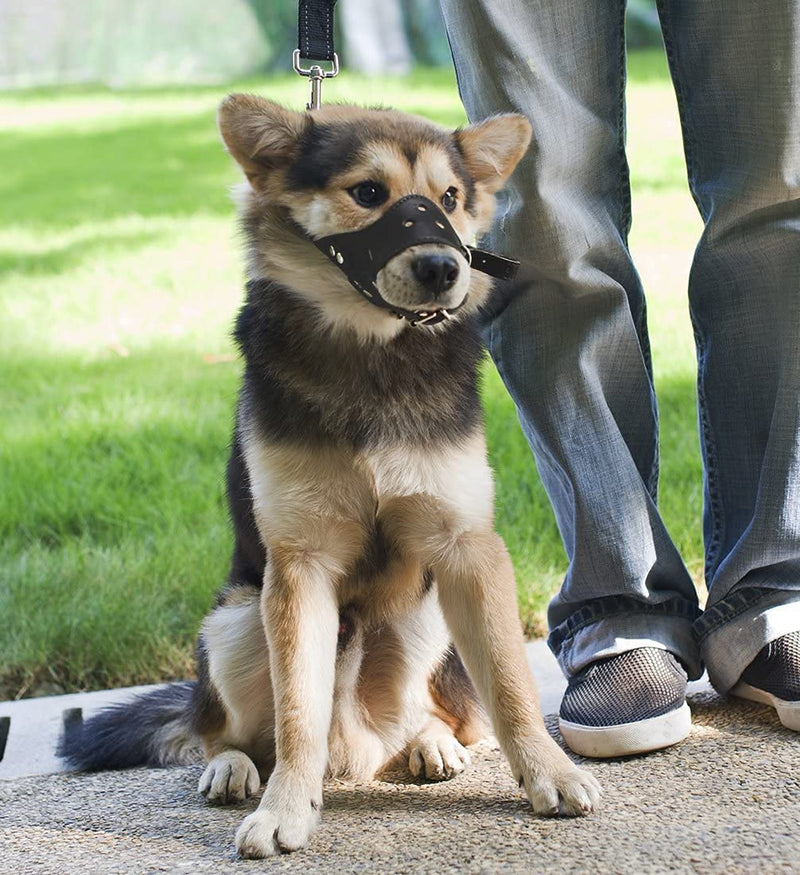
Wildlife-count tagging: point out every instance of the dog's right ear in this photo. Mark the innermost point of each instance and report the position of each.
(260, 135)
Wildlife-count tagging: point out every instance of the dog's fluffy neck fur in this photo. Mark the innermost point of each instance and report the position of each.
(278, 251)
(317, 385)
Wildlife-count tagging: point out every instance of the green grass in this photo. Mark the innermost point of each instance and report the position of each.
(119, 279)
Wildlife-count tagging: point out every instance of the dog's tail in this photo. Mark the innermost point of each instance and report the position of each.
(151, 729)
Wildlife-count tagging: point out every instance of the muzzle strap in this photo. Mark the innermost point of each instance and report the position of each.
(412, 221)
(498, 266)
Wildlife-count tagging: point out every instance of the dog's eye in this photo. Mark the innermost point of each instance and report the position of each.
(449, 200)
(369, 193)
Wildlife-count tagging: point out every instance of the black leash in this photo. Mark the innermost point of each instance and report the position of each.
(315, 43)
(315, 30)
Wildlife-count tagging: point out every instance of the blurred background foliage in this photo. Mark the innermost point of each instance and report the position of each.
(120, 43)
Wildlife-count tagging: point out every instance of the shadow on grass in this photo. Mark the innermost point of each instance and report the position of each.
(95, 449)
(57, 259)
(112, 516)
(55, 178)
(163, 167)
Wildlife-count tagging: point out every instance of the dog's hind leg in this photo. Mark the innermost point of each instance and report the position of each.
(356, 751)
(231, 776)
(456, 700)
(435, 753)
(438, 752)
(233, 708)
(407, 678)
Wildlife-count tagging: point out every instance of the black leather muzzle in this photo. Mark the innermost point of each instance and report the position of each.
(412, 221)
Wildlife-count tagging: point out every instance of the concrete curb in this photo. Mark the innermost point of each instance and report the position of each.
(33, 725)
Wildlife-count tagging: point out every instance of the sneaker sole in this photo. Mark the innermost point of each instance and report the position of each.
(788, 712)
(655, 733)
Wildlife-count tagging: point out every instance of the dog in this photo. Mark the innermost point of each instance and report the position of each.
(365, 565)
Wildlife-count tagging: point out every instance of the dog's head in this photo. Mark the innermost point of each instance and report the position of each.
(339, 169)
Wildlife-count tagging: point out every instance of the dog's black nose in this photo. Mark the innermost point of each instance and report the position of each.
(436, 272)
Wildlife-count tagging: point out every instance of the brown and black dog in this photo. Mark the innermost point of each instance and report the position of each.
(366, 565)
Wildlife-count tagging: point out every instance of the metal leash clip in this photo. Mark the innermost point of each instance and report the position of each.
(316, 74)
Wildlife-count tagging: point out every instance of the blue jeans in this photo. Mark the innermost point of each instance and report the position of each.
(573, 347)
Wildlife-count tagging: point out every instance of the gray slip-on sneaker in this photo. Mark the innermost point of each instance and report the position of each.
(773, 678)
(631, 703)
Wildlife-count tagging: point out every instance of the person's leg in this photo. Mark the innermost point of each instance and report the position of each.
(572, 348)
(736, 67)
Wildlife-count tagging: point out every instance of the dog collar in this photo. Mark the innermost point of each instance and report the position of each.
(411, 221)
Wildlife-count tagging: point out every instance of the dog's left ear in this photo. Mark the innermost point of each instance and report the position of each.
(493, 148)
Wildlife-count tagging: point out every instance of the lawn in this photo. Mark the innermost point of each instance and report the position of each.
(119, 279)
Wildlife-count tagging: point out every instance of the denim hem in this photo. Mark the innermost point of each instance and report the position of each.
(608, 626)
(616, 634)
(727, 609)
(600, 609)
(729, 647)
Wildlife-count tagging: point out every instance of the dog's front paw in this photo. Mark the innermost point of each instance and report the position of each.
(229, 777)
(437, 756)
(276, 828)
(559, 787)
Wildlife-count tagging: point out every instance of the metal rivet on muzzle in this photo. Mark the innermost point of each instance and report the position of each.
(363, 264)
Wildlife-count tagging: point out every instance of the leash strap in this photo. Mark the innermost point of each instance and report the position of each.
(315, 29)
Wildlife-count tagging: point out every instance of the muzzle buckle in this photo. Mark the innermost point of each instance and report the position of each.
(422, 318)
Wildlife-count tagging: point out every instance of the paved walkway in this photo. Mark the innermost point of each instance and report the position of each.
(726, 800)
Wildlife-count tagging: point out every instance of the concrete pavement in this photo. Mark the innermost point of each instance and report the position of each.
(727, 799)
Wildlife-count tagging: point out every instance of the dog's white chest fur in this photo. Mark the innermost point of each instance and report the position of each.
(306, 495)
(458, 476)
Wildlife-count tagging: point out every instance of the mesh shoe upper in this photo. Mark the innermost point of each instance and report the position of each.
(776, 669)
(636, 685)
